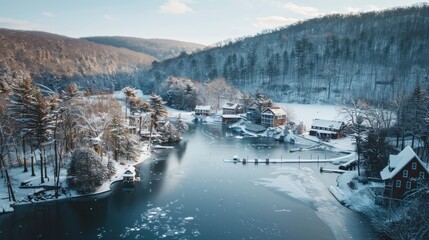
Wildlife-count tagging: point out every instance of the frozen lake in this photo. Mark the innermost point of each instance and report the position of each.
(189, 193)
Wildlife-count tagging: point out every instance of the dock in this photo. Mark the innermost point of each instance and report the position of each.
(329, 170)
(162, 147)
(269, 160)
(338, 194)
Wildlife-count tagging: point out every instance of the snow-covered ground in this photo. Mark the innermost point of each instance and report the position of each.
(22, 194)
(307, 112)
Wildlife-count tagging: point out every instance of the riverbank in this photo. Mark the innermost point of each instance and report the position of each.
(29, 189)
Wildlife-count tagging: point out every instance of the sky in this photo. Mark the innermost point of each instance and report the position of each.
(201, 21)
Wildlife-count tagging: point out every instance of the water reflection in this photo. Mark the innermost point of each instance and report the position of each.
(189, 193)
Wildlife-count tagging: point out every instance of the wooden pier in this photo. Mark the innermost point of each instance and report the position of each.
(269, 160)
(338, 194)
(329, 170)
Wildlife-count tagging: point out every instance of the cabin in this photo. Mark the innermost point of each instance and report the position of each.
(273, 117)
(202, 111)
(327, 129)
(230, 118)
(231, 108)
(403, 173)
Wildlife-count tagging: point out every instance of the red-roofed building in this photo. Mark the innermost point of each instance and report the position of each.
(403, 173)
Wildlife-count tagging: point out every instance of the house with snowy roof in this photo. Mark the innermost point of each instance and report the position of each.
(327, 128)
(273, 117)
(231, 109)
(202, 110)
(403, 173)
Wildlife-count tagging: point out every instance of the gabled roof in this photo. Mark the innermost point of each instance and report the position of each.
(398, 162)
(277, 111)
(202, 107)
(234, 116)
(230, 105)
(327, 123)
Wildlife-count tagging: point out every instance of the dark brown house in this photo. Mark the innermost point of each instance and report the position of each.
(327, 128)
(403, 173)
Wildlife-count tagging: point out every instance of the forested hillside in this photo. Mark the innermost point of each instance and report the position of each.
(373, 55)
(161, 49)
(54, 60)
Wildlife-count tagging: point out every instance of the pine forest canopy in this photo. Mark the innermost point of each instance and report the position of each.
(374, 55)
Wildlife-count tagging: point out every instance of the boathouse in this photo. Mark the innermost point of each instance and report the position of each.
(230, 118)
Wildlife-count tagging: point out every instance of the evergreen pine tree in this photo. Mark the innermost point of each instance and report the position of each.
(33, 112)
(158, 110)
(181, 125)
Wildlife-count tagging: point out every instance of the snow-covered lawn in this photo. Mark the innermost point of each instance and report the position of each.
(22, 194)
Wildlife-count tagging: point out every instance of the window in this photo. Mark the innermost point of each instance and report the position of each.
(422, 175)
(414, 166)
(398, 183)
(408, 185)
(405, 173)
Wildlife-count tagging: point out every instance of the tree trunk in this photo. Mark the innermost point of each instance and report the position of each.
(9, 187)
(23, 152)
(41, 167)
(44, 163)
(32, 166)
(57, 182)
(18, 159)
(56, 157)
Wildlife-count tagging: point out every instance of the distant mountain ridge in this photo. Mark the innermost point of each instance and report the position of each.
(161, 49)
(55, 60)
(374, 55)
(37, 52)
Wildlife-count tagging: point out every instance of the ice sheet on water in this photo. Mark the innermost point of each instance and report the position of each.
(302, 184)
(162, 222)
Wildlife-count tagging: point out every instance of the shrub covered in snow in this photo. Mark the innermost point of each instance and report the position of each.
(111, 168)
(86, 172)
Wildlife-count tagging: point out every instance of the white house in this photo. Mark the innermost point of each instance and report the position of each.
(231, 108)
(201, 110)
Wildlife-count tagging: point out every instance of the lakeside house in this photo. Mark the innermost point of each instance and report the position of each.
(203, 110)
(231, 109)
(326, 129)
(273, 117)
(253, 113)
(403, 173)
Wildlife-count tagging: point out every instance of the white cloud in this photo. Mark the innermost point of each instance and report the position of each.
(47, 14)
(175, 7)
(108, 17)
(19, 24)
(368, 8)
(273, 22)
(308, 11)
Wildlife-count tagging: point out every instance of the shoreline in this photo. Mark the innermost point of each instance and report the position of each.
(105, 188)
